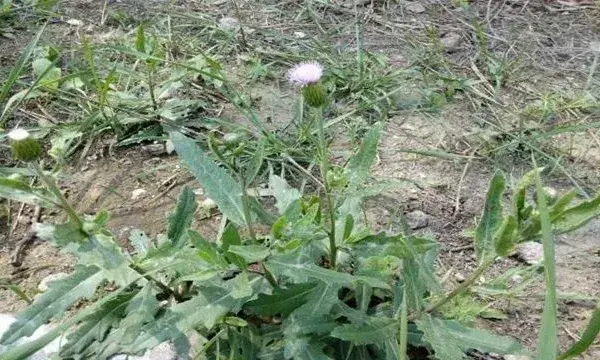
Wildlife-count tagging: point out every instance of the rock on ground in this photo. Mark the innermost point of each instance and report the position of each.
(530, 252)
(417, 219)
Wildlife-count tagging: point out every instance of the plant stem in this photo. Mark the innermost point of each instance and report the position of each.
(322, 147)
(51, 184)
(246, 207)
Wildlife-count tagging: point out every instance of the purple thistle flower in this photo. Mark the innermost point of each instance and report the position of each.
(305, 73)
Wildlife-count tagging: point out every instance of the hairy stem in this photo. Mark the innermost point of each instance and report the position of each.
(324, 167)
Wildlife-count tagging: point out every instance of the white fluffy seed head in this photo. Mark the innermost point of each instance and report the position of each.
(18, 134)
(305, 73)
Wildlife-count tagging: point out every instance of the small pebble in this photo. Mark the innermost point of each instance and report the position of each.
(138, 194)
(417, 219)
(532, 253)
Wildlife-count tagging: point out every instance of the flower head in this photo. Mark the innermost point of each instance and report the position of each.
(18, 134)
(306, 73)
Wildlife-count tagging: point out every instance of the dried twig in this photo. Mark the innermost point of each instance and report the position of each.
(18, 255)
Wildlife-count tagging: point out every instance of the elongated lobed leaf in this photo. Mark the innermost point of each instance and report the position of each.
(181, 219)
(490, 219)
(22, 192)
(62, 294)
(95, 327)
(374, 331)
(450, 340)
(360, 163)
(282, 301)
(218, 184)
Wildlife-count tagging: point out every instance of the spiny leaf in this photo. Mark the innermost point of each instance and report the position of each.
(218, 184)
(60, 296)
(505, 237)
(95, 327)
(22, 192)
(208, 251)
(450, 340)
(576, 216)
(300, 273)
(360, 164)
(490, 220)
(229, 238)
(250, 253)
(374, 331)
(282, 301)
(181, 219)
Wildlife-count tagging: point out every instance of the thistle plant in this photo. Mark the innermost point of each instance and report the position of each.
(316, 284)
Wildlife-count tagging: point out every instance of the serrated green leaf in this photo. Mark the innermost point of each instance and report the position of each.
(219, 186)
(208, 251)
(20, 191)
(577, 216)
(396, 245)
(181, 219)
(520, 193)
(490, 219)
(562, 202)
(374, 331)
(450, 340)
(506, 236)
(95, 327)
(282, 301)
(306, 272)
(359, 165)
(284, 194)
(60, 296)
(231, 237)
(250, 253)
(255, 164)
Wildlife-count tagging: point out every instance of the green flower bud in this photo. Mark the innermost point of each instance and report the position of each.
(24, 147)
(314, 95)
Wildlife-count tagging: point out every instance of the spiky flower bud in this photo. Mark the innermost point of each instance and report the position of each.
(314, 95)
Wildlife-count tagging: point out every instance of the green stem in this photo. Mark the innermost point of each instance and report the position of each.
(322, 146)
(51, 184)
(246, 208)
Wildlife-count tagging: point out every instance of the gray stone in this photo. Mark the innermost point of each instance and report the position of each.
(532, 253)
(43, 285)
(415, 7)
(417, 219)
(451, 41)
